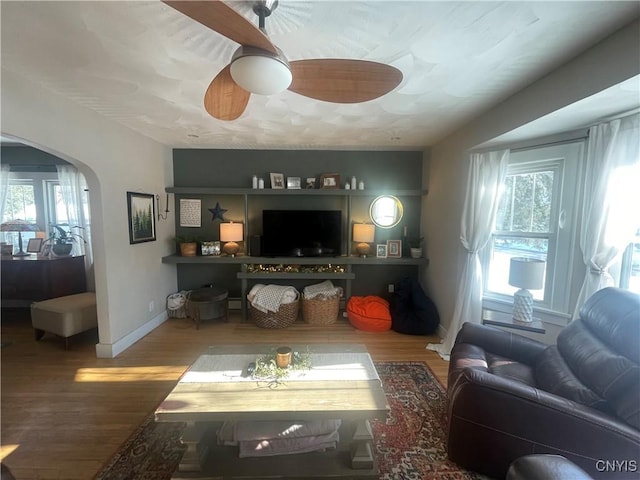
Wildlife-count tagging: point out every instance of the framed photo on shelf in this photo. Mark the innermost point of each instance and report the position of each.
(381, 250)
(277, 180)
(210, 248)
(394, 248)
(311, 182)
(142, 217)
(293, 183)
(330, 180)
(34, 245)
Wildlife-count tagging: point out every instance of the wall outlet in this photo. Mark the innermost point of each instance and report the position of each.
(390, 288)
(152, 306)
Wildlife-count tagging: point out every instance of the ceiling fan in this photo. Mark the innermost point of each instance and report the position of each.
(258, 66)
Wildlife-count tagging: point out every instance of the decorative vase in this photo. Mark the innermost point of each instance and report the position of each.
(62, 249)
(416, 252)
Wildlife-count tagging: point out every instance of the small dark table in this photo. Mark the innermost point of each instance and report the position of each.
(501, 319)
(215, 299)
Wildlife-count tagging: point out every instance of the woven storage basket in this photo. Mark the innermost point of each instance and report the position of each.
(176, 305)
(321, 309)
(286, 315)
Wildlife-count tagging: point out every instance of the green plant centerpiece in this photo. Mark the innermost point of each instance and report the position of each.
(62, 237)
(267, 370)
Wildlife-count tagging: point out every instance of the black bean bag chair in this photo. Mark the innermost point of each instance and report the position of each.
(412, 312)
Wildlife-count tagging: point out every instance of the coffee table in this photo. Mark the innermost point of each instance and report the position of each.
(341, 384)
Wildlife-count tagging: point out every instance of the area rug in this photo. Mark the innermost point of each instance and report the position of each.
(410, 444)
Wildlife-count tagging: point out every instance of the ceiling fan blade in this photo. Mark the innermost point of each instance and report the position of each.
(225, 20)
(343, 81)
(225, 100)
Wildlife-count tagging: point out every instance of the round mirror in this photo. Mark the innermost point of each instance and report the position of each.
(386, 211)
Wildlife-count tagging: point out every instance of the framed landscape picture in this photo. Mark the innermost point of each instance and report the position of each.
(142, 217)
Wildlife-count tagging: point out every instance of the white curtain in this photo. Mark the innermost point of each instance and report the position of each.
(73, 188)
(484, 186)
(5, 170)
(612, 195)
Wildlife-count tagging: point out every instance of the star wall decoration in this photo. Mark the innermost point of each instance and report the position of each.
(217, 212)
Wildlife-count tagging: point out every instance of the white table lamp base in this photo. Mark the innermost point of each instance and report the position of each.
(523, 306)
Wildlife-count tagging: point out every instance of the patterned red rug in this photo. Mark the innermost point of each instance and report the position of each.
(410, 444)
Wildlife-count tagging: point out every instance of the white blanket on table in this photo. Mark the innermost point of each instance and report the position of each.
(287, 446)
(258, 439)
(268, 298)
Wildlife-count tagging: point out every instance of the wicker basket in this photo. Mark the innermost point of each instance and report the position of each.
(286, 315)
(176, 305)
(321, 309)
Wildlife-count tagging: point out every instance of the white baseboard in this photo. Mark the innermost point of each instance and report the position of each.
(111, 350)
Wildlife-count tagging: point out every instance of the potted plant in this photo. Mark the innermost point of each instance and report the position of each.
(415, 246)
(62, 240)
(188, 245)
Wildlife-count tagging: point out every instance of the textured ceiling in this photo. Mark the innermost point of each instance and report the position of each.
(147, 66)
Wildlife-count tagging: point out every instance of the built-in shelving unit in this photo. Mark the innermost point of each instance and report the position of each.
(251, 199)
(275, 191)
(246, 259)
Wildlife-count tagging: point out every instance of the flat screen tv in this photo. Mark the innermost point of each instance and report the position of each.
(301, 233)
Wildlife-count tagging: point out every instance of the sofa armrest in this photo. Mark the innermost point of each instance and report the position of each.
(513, 419)
(499, 342)
(545, 467)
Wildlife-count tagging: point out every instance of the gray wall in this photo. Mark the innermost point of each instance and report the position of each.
(234, 168)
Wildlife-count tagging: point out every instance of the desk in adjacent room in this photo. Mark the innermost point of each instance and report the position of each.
(30, 279)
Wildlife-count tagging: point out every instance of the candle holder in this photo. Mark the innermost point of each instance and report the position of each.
(283, 357)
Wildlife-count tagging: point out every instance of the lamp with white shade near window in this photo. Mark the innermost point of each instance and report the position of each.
(363, 234)
(525, 273)
(19, 226)
(231, 233)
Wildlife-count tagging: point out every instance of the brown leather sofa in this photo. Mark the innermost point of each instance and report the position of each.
(511, 396)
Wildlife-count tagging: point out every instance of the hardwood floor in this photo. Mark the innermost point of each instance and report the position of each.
(64, 413)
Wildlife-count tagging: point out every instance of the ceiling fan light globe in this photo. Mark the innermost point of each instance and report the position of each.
(260, 74)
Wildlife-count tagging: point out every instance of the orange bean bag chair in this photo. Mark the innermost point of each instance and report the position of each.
(369, 313)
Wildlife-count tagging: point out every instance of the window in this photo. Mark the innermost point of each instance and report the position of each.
(536, 219)
(19, 205)
(56, 209)
(20, 202)
(27, 200)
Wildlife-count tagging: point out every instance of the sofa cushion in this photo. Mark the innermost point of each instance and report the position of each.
(467, 355)
(554, 376)
(602, 350)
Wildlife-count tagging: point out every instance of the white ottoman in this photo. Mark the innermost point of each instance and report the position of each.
(64, 316)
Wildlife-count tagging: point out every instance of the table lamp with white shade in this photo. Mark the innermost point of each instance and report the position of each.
(364, 234)
(526, 274)
(19, 226)
(230, 233)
